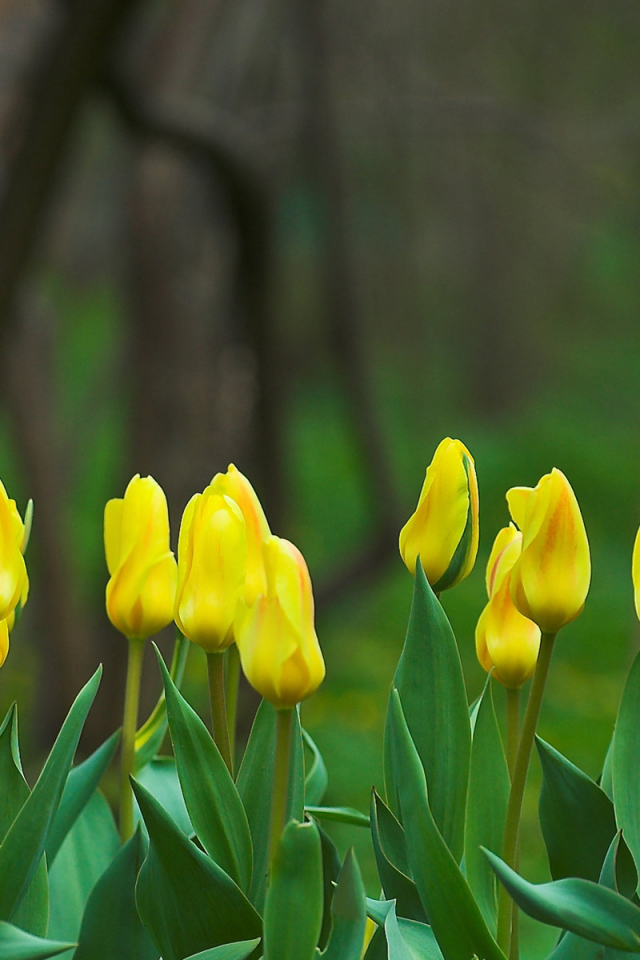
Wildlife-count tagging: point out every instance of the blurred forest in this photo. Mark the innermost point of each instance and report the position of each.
(313, 238)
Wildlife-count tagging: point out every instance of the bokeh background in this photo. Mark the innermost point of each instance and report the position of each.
(313, 238)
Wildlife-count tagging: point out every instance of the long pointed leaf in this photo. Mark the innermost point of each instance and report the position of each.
(625, 769)
(185, 900)
(15, 944)
(348, 911)
(293, 906)
(581, 906)
(25, 842)
(431, 686)
(390, 849)
(316, 778)
(211, 796)
(455, 917)
(228, 951)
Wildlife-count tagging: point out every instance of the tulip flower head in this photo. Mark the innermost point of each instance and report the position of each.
(550, 580)
(235, 485)
(443, 531)
(143, 572)
(276, 637)
(13, 571)
(505, 640)
(635, 572)
(212, 567)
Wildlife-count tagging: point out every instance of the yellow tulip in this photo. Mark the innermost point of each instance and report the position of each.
(635, 572)
(276, 636)
(235, 485)
(13, 571)
(212, 565)
(505, 640)
(143, 572)
(550, 580)
(443, 531)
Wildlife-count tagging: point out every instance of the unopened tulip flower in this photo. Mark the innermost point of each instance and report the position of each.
(505, 640)
(142, 568)
(212, 566)
(635, 572)
(13, 571)
(276, 636)
(550, 579)
(443, 531)
(235, 485)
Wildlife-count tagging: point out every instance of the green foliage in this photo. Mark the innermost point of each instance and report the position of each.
(293, 904)
(15, 944)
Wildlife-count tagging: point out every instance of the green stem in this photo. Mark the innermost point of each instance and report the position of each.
(280, 793)
(521, 768)
(215, 670)
(232, 684)
(129, 724)
(513, 727)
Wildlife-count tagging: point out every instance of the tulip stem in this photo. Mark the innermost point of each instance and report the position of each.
(520, 770)
(129, 724)
(215, 671)
(232, 681)
(513, 727)
(280, 793)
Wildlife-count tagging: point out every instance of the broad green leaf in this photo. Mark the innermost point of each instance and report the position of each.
(418, 937)
(160, 778)
(339, 814)
(331, 866)
(33, 913)
(397, 948)
(316, 778)
(111, 927)
(293, 905)
(211, 796)
(85, 854)
(606, 777)
(24, 844)
(618, 870)
(625, 767)
(489, 786)
(348, 911)
(431, 686)
(576, 817)
(255, 780)
(79, 788)
(16, 944)
(391, 857)
(150, 736)
(455, 917)
(185, 900)
(580, 906)
(228, 951)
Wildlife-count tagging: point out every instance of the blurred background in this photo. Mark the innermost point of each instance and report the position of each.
(313, 238)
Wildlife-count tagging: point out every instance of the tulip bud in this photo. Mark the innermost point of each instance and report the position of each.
(276, 636)
(635, 572)
(443, 531)
(505, 640)
(235, 485)
(142, 568)
(12, 566)
(550, 580)
(212, 564)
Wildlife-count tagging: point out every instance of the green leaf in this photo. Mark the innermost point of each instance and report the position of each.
(211, 797)
(348, 911)
(160, 778)
(85, 854)
(431, 686)
(340, 815)
(606, 777)
(418, 937)
(150, 736)
(391, 857)
(576, 817)
(293, 905)
(185, 900)
(397, 948)
(255, 780)
(625, 766)
(455, 917)
(15, 944)
(581, 906)
(316, 777)
(489, 786)
(618, 870)
(228, 951)
(24, 844)
(80, 786)
(331, 866)
(33, 913)
(111, 926)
